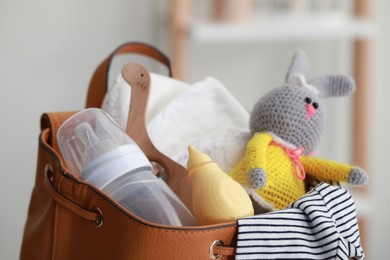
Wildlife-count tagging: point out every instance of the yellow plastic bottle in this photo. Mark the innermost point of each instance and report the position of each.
(216, 196)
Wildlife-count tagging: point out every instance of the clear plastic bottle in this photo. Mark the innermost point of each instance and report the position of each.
(100, 153)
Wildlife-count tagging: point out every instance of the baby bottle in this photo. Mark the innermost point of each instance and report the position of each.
(97, 151)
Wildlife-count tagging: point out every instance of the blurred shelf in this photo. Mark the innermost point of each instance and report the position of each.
(281, 29)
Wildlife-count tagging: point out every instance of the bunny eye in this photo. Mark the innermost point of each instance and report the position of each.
(308, 100)
(315, 105)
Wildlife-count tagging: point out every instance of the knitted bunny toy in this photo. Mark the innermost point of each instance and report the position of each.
(286, 125)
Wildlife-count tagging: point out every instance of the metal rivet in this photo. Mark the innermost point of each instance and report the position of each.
(99, 222)
(213, 245)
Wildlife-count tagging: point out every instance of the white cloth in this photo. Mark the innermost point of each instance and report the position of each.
(204, 115)
(162, 90)
(320, 225)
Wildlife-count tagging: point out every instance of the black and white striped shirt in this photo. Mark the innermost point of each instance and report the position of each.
(320, 225)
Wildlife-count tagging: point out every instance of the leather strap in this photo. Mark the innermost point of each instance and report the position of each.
(224, 250)
(99, 82)
(70, 205)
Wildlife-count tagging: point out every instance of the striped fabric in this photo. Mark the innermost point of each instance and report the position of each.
(320, 225)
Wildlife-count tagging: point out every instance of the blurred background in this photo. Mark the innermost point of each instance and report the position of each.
(49, 50)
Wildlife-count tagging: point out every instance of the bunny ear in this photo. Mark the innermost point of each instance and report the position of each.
(299, 65)
(333, 85)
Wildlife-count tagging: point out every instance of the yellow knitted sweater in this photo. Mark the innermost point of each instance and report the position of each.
(282, 184)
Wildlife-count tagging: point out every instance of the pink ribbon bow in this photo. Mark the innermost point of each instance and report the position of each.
(295, 155)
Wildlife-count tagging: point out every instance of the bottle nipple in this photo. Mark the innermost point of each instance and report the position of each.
(92, 146)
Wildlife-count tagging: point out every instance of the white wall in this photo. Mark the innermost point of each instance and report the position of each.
(48, 50)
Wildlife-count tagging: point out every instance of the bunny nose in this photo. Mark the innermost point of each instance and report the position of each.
(310, 109)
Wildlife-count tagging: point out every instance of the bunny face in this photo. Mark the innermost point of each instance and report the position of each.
(293, 113)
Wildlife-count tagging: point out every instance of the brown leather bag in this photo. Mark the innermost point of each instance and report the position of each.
(69, 219)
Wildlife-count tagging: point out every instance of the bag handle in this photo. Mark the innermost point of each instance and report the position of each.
(138, 79)
(99, 83)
